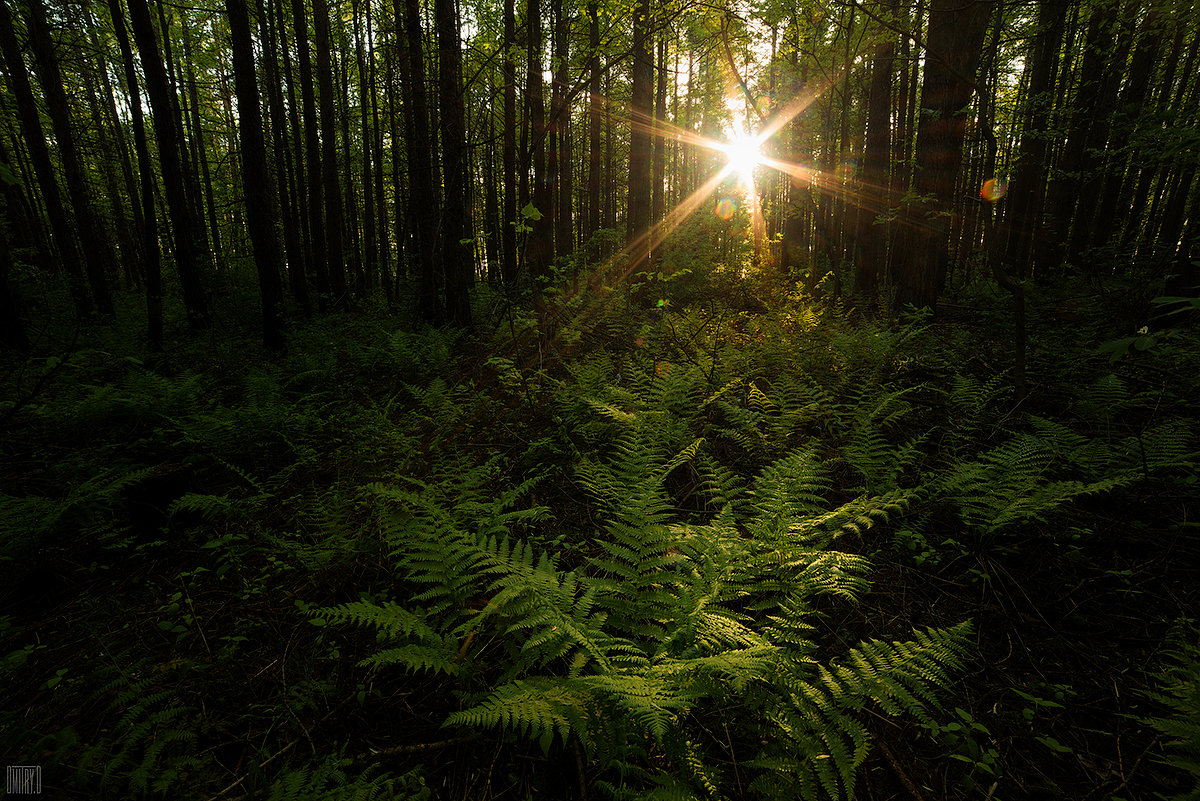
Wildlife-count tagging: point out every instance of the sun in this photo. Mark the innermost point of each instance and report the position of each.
(743, 156)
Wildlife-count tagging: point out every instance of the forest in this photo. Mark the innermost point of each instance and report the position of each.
(600, 399)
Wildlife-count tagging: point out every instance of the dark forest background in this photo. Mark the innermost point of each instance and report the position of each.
(457, 400)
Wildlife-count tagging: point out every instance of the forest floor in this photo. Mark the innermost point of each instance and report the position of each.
(187, 535)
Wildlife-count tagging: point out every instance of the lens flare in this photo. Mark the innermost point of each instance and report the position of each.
(743, 155)
(725, 208)
(993, 189)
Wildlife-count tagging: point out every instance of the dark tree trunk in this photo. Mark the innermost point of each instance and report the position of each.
(122, 147)
(564, 238)
(871, 264)
(384, 260)
(334, 258)
(508, 210)
(367, 253)
(1127, 124)
(1027, 192)
(595, 117)
(150, 252)
(96, 253)
(659, 171)
(539, 242)
(127, 245)
(640, 121)
(424, 198)
(352, 241)
(198, 140)
(188, 158)
(256, 178)
(457, 246)
(188, 254)
(299, 272)
(284, 166)
(954, 43)
(1110, 62)
(312, 154)
(491, 200)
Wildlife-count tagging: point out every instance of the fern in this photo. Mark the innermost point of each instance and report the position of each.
(153, 742)
(328, 781)
(1180, 694)
(669, 623)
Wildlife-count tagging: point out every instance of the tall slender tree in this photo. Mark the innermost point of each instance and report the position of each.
(422, 179)
(153, 266)
(334, 257)
(43, 168)
(640, 120)
(457, 247)
(256, 178)
(953, 45)
(96, 252)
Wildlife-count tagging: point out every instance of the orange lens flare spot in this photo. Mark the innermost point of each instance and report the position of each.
(725, 208)
(993, 189)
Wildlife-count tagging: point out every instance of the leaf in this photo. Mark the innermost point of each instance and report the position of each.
(530, 212)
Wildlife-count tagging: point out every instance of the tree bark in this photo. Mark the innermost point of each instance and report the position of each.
(284, 165)
(595, 116)
(317, 250)
(871, 264)
(457, 247)
(424, 197)
(564, 238)
(334, 257)
(953, 45)
(640, 121)
(189, 258)
(256, 178)
(508, 210)
(1027, 191)
(198, 139)
(539, 243)
(96, 253)
(150, 248)
(370, 276)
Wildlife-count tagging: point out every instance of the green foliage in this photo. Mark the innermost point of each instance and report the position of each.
(1179, 693)
(153, 744)
(641, 646)
(328, 781)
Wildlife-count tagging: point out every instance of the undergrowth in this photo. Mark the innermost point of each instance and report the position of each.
(609, 551)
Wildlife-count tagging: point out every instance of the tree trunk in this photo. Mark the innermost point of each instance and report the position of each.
(508, 209)
(312, 154)
(150, 252)
(256, 179)
(422, 178)
(640, 121)
(659, 171)
(188, 255)
(367, 254)
(284, 168)
(539, 242)
(1027, 191)
(595, 116)
(198, 139)
(457, 246)
(334, 258)
(96, 253)
(871, 264)
(564, 238)
(953, 45)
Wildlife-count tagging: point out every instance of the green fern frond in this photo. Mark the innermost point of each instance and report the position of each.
(539, 708)
(1180, 694)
